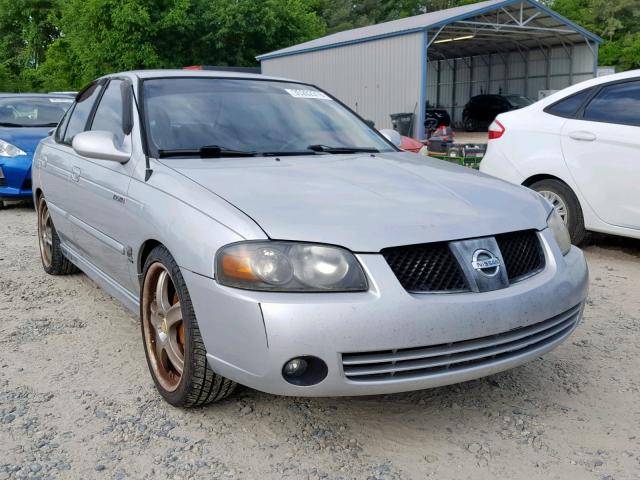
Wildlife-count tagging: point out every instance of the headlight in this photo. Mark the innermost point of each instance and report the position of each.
(289, 267)
(560, 232)
(9, 150)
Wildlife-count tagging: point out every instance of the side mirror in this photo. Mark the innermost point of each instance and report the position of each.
(100, 145)
(392, 136)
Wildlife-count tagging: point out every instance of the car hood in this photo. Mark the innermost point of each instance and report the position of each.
(367, 203)
(25, 138)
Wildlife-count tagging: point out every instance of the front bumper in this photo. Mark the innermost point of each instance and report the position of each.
(250, 335)
(17, 177)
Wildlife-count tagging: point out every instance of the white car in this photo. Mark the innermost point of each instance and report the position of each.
(580, 149)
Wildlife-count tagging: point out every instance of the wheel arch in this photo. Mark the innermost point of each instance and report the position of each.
(144, 251)
(543, 176)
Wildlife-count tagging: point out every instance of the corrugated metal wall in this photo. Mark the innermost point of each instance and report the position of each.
(381, 77)
(526, 74)
(375, 78)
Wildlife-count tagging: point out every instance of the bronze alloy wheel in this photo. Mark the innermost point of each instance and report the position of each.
(45, 233)
(163, 327)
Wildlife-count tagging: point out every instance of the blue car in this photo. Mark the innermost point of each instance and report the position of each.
(25, 119)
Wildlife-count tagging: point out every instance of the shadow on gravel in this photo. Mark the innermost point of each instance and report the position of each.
(16, 205)
(614, 242)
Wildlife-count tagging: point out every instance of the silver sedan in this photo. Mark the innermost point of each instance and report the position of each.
(268, 236)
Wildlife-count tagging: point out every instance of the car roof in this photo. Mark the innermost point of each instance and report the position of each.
(35, 95)
(175, 73)
(629, 75)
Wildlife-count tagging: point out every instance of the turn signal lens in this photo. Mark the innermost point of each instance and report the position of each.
(289, 267)
(560, 232)
(238, 267)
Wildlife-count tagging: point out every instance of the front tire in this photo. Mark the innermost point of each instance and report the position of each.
(175, 352)
(566, 204)
(53, 260)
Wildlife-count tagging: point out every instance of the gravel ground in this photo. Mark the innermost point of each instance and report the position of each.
(77, 401)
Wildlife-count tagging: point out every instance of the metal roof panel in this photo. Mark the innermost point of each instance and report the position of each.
(412, 24)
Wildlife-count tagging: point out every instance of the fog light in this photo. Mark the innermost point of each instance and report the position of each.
(295, 367)
(304, 371)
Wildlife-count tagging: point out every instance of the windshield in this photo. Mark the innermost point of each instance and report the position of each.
(32, 111)
(251, 117)
(518, 101)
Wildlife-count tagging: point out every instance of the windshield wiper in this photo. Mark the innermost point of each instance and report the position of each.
(51, 124)
(291, 153)
(8, 124)
(207, 151)
(327, 149)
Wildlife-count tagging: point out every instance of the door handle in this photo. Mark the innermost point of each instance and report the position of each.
(583, 136)
(75, 174)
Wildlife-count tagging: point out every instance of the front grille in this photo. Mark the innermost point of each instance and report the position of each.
(425, 362)
(522, 254)
(426, 268)
(432, 267)
(3, 181)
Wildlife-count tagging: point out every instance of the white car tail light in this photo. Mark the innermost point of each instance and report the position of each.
(496, 130)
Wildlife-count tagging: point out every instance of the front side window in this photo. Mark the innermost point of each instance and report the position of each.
(27, 111)
(62, 126)
(109, 113)
(567, 107)
(265, 117)
(618, 103)
(81, 112)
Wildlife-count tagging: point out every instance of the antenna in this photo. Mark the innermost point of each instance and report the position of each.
(143, 133)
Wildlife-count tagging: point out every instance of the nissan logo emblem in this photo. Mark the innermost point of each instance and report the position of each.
(486, 263)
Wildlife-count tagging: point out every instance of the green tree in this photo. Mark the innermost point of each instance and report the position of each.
(233, 32)
(617, 22)
(63, 44)
(27, 29)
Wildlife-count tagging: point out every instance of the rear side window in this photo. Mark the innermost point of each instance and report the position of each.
(81, 112)
(568, 107)
(618, 103)
(110, 111)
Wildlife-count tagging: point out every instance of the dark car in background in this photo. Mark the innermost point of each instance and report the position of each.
(481, 110)
(25, 119)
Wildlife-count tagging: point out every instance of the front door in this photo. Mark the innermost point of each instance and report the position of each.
(602, 149)
(102, 219)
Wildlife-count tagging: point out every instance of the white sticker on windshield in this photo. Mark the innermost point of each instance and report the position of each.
(301, 93)
(61, 100)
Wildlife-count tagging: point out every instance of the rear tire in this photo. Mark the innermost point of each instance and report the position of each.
(470, 124)
(566, 204)
(53, 260)
(175, 351)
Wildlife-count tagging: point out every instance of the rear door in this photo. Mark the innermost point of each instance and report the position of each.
(56, 163)
(601, 146)
(102, 219)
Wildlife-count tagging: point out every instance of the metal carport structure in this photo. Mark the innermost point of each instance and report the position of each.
(443, 58)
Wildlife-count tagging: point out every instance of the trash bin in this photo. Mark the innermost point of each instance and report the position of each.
(402, 123)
